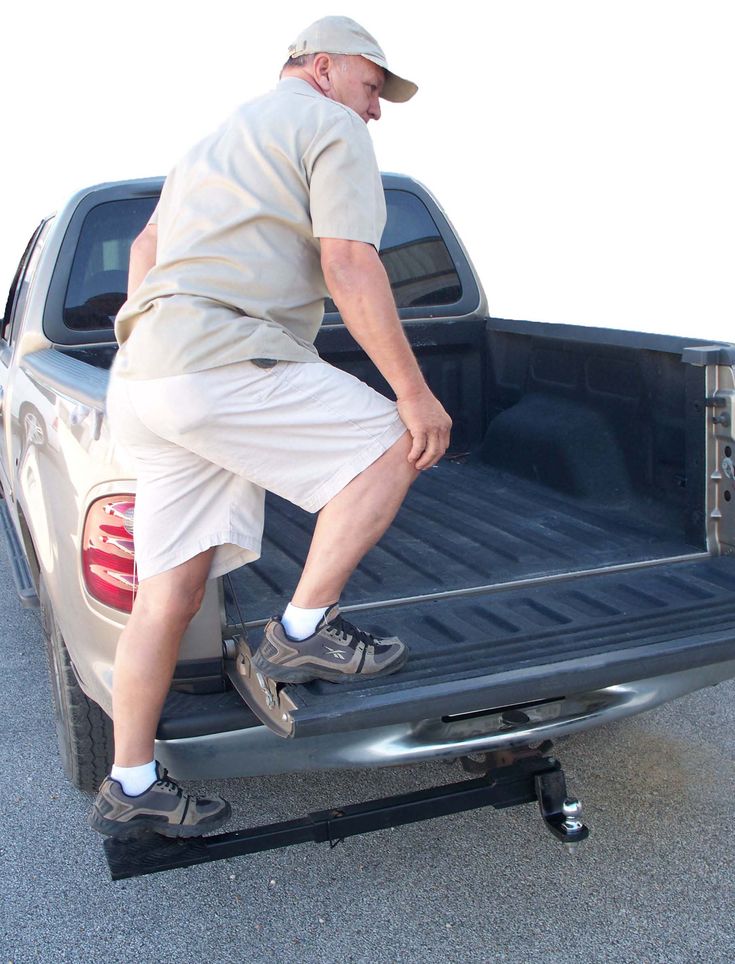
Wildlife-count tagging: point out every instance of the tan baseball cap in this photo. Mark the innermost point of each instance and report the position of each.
(340, 35)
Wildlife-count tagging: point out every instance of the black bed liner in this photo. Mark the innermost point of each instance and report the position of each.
(462, 524)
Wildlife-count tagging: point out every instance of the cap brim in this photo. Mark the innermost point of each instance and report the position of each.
(395, 89)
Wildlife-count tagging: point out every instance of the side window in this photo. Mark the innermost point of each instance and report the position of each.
(98, 281)
(26, 280)
(419, 266)
(13, 306)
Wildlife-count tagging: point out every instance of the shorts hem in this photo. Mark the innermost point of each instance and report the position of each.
(249, 550)
(371, 453)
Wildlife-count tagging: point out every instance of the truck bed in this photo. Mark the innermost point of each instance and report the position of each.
(463, 578)
(560, 549)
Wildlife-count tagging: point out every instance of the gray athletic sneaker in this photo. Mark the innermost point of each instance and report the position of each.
(338, 651)
(163, 807)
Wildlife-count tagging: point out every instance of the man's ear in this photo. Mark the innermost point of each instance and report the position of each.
(322, 65)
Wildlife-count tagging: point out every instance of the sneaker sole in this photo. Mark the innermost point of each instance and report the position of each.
(131, 831)
(282, 673)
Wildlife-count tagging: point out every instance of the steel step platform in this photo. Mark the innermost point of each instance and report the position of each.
(528, 776)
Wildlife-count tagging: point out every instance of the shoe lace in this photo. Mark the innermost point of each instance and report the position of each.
(350, 634)
(165, 781)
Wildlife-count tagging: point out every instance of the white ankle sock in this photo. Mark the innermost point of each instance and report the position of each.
(135, 780)
(300, 623)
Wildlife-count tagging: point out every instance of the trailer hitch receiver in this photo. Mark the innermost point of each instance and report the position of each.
(562, 814)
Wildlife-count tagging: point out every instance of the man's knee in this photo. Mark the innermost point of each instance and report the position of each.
(172, 598)
(398, 459)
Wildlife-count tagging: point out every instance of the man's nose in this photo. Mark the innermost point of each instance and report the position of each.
(374, 109)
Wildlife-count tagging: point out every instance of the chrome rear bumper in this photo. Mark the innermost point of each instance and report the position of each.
(257, 751)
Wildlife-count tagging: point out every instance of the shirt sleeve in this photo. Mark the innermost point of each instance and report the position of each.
(153, 219)
(346, 198)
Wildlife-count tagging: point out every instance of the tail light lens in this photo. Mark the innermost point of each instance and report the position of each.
(108, 551)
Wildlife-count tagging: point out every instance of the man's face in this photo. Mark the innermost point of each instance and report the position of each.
(356, 83)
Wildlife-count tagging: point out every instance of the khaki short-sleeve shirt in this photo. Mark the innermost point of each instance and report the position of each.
(238, 272)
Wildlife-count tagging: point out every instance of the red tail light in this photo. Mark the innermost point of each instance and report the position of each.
(108, 551)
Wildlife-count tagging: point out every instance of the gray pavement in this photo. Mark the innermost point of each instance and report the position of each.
(655, 882)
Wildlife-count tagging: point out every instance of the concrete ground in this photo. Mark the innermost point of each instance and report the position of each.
(654, 883)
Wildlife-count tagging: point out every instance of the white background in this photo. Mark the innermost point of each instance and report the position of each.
(583, 150)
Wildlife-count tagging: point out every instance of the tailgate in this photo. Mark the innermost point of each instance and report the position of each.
(536, 640)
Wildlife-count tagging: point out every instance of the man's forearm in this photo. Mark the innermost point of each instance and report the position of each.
(142, 257)
(360, 288)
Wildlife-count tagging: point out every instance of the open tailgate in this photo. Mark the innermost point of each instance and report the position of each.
(482, 649)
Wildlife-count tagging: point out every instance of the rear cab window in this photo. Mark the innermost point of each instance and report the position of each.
(426, 266)
(420, 268)
(98, 280)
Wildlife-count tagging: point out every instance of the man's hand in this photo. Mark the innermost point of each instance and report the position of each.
(429, 425)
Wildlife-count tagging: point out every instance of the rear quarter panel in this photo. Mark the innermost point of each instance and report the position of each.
(60, 458)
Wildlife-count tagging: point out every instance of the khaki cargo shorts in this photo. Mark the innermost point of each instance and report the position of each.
(208, 445)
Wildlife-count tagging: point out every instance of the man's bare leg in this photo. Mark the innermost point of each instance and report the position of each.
(351, 523)
(137, 797)
(147, 653)
(348, 526)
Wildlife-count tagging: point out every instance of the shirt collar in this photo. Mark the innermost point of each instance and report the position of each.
(297, 86)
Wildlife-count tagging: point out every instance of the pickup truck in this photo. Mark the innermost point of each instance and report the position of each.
(568, 563)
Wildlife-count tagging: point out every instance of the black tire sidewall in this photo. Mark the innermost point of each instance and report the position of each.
(83, 730)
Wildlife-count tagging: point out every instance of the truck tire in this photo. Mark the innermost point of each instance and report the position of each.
(83, 729)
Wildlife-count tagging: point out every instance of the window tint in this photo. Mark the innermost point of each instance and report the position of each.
(418, 264)
(98, 281)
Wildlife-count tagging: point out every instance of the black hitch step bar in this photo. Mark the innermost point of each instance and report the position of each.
(527, 777)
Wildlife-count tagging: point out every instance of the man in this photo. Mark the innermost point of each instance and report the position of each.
(219, 394)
